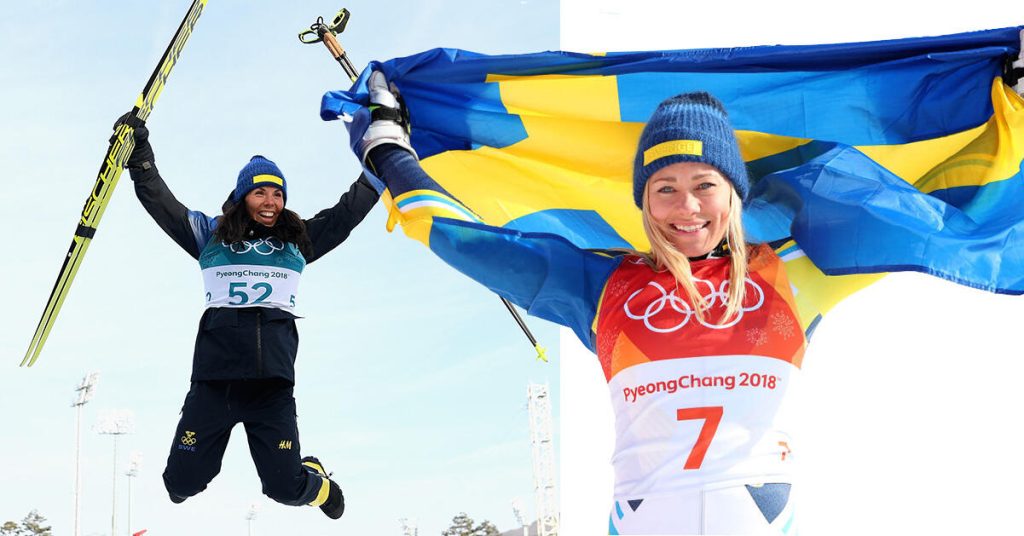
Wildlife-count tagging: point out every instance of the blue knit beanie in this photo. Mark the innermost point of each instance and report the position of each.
(259, 172)
(691, 127)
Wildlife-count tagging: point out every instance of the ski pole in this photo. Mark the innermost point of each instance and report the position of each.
(542, 353)
(317, 32)
(121, 145)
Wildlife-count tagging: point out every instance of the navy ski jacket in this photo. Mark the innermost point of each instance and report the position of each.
(236, 343)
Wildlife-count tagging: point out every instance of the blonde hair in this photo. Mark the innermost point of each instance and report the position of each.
(664, 255)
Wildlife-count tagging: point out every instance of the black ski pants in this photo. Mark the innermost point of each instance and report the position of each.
(267, 409)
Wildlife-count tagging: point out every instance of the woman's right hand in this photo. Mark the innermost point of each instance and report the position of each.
(384, 122)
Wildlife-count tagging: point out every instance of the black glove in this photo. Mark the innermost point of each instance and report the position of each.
(142, 156)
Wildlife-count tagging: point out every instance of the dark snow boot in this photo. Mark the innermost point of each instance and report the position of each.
(334, 505)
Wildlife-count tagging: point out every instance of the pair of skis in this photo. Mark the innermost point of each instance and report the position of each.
(122, 144)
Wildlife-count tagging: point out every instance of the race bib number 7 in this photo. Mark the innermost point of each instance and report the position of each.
(711, 417)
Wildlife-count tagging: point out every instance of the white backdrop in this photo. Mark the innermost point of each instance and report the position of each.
(911, 388)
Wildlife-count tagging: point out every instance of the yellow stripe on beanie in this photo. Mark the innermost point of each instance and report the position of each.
(268, 178)
(673, 147)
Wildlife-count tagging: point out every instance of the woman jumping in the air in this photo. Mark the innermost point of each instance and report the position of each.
(243, 368)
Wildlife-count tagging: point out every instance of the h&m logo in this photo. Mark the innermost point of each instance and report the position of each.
(285, 445)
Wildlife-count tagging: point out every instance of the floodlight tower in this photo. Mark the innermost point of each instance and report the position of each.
(250, 516)
(115, 424)
(517, 511)
(134, 464)
(83, 395)
(543, 459)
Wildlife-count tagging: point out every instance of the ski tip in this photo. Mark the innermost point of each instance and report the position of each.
(31, 355)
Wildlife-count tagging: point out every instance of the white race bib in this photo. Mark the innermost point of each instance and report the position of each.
(684, 423)
(247, 285)
(262, 272)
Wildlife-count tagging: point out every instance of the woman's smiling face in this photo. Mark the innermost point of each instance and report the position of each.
(265, 204)
(689, 203)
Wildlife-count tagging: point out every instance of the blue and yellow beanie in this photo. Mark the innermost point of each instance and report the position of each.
(691, 127)
(259, 172)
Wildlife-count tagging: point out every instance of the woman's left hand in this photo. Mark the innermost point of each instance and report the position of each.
(384, 122)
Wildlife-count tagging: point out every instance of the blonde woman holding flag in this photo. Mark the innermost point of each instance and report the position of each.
(699, 338)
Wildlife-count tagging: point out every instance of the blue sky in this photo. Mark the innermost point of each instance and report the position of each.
(411, 379)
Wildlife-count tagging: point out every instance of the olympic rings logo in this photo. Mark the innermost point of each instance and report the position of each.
(189, 438)
(263, 246)
(714, 297)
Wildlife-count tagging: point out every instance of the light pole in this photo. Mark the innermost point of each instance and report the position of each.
(250, 516)
(116, 424)
(84, 394)
(134, 464)
(518, 512)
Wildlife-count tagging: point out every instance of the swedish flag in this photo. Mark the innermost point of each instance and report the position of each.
(865, 158)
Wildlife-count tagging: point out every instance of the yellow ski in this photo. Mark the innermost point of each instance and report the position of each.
(121, 145)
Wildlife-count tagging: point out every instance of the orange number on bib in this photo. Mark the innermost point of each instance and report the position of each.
(712, 416)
